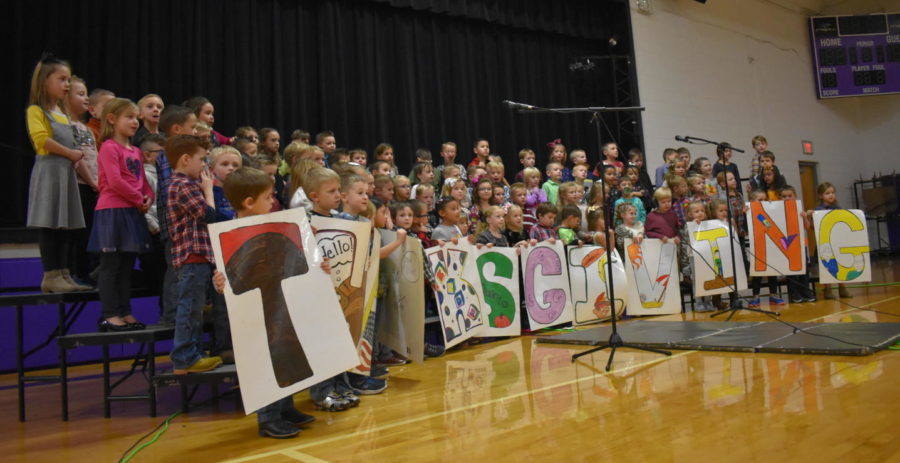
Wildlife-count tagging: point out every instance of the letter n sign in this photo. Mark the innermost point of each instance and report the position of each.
(776, 238)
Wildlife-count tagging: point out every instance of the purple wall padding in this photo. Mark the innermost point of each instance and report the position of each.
(40, 321)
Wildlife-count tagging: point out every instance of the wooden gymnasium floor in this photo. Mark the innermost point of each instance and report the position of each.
(515, 400)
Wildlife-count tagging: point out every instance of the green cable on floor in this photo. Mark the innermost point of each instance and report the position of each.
(165, 427)
(554, 330)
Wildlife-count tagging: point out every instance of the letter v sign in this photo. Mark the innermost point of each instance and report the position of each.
(651, 290)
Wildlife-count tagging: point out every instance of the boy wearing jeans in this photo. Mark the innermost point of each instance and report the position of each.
(249, 191)
(190, 209)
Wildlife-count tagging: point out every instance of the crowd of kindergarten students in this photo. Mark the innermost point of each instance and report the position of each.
(115, 181)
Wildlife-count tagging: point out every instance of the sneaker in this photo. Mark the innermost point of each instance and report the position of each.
(347, 393)
(379, 371)
(367, 385)
(434, 350)
(774, 300)
(796, 300)
(279, 429)
(200, 366)
(703, 306)
(810, 299)
(394, 360)
(754, 303)
(333, 402)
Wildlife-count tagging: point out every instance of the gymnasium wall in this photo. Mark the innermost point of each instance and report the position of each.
(728, 70)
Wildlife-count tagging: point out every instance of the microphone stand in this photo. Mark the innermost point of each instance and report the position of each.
(735, 302)
(615, 340)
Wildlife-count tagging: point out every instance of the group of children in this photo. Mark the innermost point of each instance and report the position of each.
(146, 179)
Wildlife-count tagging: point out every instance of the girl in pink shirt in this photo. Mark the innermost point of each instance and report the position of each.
(120, 231)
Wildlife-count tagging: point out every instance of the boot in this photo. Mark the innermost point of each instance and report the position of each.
(826, 292)
(67, 275)
(53, 282)
(842, 291)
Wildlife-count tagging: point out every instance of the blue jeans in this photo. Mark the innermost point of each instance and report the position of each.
(321, 390)
(273, 411)
(192, 282)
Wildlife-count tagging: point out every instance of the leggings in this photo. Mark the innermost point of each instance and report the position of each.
(55, 245)
(756, 282)
(114, 283)
(80, 262)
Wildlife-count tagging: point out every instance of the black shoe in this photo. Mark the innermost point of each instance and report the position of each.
(106, 327)
(137, 326)
(278, 429)
(296, 417)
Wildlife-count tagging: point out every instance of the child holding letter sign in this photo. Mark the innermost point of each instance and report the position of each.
(249, 191)
(828, 201)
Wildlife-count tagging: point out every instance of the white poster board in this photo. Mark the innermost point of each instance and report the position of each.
(842, 240)
(287, 333)
(545, 277)
(366, 344)
(653, 276)
(711, 259)
(346, 243)
(498, 271)
(458, 295)
(401, 319)
(777, 238)
(588, 281)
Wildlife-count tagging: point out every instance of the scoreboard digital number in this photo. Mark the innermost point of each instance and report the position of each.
(856, 55)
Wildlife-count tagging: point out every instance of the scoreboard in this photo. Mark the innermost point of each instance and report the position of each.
(856, 55)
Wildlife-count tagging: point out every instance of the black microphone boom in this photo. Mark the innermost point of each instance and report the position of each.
(514, 105)
(731, 147)
(703, 141)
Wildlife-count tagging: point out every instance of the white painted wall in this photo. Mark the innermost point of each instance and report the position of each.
(731, 69)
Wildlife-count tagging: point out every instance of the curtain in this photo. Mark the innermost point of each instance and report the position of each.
(408, 72)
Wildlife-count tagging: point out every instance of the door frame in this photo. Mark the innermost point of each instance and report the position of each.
(814, 166)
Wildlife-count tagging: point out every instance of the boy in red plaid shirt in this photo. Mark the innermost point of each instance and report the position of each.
(191, 207)
(545, 230)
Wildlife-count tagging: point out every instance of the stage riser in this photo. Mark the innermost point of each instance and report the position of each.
(41, 320)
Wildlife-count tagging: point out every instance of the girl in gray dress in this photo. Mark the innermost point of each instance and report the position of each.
(54, 203)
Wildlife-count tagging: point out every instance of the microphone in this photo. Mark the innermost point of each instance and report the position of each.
(513, 105)
(682, 139)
